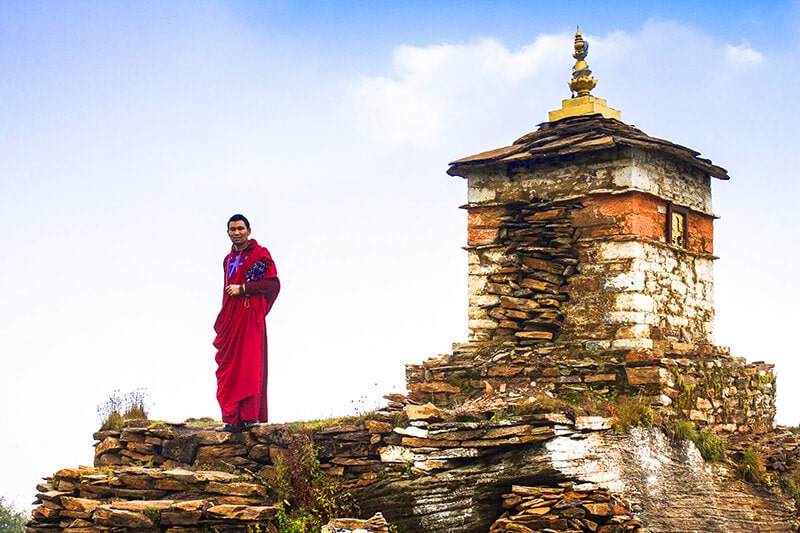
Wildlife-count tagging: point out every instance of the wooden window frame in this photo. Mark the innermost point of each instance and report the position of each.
(671, 208)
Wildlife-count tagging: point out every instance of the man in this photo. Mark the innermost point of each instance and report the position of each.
(251, 286)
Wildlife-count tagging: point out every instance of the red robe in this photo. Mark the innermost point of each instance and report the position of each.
(241, 340)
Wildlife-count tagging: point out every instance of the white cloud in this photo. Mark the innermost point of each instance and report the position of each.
(742, 55)
(484, 94)
(434, 86)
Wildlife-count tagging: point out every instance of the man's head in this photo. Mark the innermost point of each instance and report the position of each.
(238, 230)
(239, 218)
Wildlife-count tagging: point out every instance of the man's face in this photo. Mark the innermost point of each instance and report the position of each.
(238, 232)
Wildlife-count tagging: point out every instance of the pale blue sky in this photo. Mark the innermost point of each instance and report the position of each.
(130, 131)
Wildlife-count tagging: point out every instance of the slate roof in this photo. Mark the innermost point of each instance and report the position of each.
(584, 133)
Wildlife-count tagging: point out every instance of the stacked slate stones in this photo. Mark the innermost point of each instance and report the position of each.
(86, 499)
(565, 508)
(539, 255)
(702, 383)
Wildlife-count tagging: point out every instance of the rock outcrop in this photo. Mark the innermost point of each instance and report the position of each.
(427, 472)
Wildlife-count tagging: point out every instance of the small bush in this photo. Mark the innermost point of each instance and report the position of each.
(540, 403)
(790, 487)
(579, 401)
(752, 467)
(153, 513)
(543, 403)
(526, 408)
(790, 482)
(683, 430)
(11, 520)
(310, 498)
(710, 446)
(118, 409)
(631, 412)
(296, 522)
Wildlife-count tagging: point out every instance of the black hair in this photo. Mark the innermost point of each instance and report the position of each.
(237, 217)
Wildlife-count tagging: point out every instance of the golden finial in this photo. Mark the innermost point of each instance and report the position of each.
(582, 83)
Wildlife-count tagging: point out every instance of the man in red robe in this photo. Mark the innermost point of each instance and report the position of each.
(251, 286)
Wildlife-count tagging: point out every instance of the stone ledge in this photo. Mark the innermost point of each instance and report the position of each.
(682, 380)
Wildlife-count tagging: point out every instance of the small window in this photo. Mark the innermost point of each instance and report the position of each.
(677, 226)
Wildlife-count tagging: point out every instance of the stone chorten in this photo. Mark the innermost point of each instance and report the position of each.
(590, 231)
(590, 249)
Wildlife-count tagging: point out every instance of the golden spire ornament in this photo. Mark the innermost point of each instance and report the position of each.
(581, 85)
(582, 82)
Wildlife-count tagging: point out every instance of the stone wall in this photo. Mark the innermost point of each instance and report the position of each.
(633, 293)
(631, 288)
(644, 215)
(701, 383)
(594, 266)
(612, 171)
(674, 181)
(520, 258)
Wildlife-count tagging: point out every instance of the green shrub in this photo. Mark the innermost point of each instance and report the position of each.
(710, 446)
(309, 497)
(11, 520)
(752, 467)
(790, 487)
(790, 481)
(631, 412)
(530, 407)
(578, 401)
(684, 430)
(153, 513)
(118, 409)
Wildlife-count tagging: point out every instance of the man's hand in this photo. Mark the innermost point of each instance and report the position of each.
(234, 290)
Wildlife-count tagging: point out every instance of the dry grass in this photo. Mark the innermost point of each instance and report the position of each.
(119, 408)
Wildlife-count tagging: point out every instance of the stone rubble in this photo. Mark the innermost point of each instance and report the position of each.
(376, 524)
(565, 508)
(522, 294)
(89, 499)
